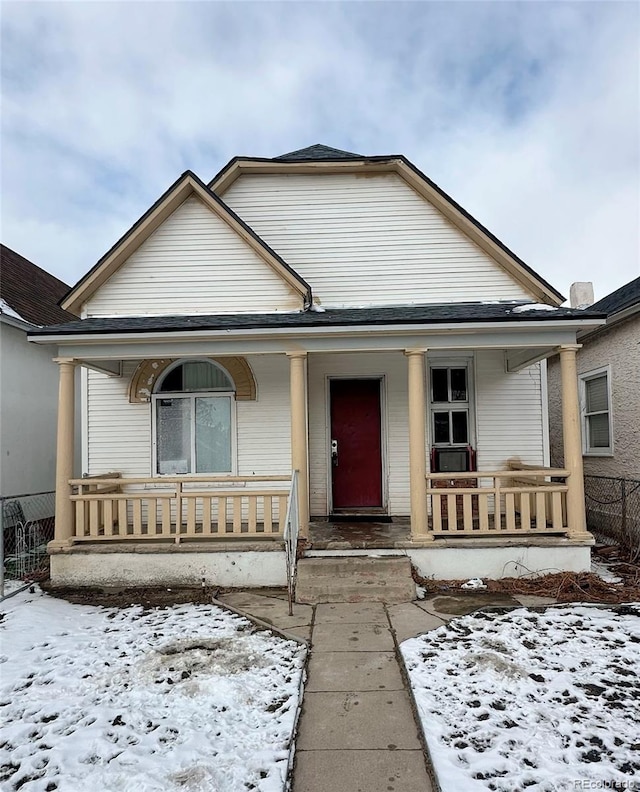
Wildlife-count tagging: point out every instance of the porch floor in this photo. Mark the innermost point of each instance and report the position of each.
(359, 535)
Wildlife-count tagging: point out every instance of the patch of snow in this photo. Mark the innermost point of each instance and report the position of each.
(474, 583)
(541, 701)
(602, 571)
(533, 307)
(7, 310)
(316, 308)
(189, 697)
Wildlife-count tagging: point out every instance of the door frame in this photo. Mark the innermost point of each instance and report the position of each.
(382, 380)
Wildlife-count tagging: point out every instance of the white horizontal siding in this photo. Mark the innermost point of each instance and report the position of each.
(194, 263)
(391, 365)
(264, 425)
(120, 433)
(509, 413)
(368, 240)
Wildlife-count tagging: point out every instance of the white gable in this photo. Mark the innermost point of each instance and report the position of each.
(193, 263)
(363, 240)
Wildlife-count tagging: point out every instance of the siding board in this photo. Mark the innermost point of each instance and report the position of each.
(368, 241)
(194, 263)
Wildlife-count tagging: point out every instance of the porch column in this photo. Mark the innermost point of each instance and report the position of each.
(417, 445)
(576, 517)
(64, 453)
(299, 451)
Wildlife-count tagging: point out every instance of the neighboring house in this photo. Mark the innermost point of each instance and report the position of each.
(29, 378)
(608, 365)
(327, 316)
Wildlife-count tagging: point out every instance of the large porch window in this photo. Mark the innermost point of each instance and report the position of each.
(194, 419)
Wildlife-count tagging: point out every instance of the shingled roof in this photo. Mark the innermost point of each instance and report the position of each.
(30, 291)
(624, 297)
(318, 152)
(436, 313)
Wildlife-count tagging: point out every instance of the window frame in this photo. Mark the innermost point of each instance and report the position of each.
(467, 406)
(192, 396)
(583, 378)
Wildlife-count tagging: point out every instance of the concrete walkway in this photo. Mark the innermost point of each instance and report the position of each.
(357, 731)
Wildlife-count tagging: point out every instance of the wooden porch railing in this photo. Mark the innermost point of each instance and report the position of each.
(110, 507)
(516, 501)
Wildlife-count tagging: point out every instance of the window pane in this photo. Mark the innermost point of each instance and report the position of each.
(213, 435)
(196, 376)
(459, 384)
(439, 386)
(460, 430)
(598, 427)
(441, 427)
(174, 436)
(597, 397)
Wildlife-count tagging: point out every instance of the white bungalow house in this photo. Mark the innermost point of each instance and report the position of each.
(325, 316)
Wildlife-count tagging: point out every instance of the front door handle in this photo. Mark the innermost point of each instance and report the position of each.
(334, 453)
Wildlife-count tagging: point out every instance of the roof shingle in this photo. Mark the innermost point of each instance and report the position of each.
(30, 291)
(333, 317)
(618, 300)
(318, 152)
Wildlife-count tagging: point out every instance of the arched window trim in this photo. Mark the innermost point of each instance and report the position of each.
(181, 362)
(192, 396)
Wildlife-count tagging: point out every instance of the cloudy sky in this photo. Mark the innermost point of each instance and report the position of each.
(526, 113)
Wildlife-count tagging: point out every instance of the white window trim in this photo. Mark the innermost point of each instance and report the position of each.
(466, 361)
(583, 378)
(192, 395)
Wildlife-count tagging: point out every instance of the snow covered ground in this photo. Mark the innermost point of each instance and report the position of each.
(534, 701)
(189, 697)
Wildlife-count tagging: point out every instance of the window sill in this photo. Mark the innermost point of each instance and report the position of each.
(596, 454)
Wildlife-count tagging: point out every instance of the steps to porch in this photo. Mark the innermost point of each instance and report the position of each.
(355, 579)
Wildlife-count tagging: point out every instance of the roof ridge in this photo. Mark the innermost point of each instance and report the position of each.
(318, 151)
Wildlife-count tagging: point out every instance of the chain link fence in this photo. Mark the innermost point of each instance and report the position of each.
(613, 511)
(26, 525)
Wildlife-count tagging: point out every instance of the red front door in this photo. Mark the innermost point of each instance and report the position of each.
(356, 443)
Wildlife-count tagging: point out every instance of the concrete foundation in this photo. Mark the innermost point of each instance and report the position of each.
(226, 569)
(456, 563)
(257, 566)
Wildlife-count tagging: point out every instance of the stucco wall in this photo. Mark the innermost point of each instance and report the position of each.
(618, 347)
(28, 397)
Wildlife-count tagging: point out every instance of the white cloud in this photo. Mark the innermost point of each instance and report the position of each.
(527, 114)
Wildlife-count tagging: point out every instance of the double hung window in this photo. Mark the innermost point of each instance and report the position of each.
(194, 418)
(450, 406)
(596, 412)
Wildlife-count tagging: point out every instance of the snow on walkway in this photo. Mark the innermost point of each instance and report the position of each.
(189, 697)
(536, 701)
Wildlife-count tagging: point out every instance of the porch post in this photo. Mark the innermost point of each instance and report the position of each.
(417, 445)
(576, 517)
(299, 452)
(64, 453)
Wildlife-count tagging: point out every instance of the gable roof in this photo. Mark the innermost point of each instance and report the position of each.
(184, 187)
(317, 152)
(319, 159)
(619, 300)
(30, 291)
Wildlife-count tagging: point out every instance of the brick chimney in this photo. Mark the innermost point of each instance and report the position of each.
(581, 294)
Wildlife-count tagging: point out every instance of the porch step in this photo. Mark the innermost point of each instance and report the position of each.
(355, 579)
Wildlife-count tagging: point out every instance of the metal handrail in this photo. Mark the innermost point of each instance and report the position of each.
(291, 530)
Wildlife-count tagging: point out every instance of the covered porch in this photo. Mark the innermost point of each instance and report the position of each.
(518, 501)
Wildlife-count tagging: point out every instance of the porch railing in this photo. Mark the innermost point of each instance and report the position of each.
(111, 507)
(519, 501)
(291, 531)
